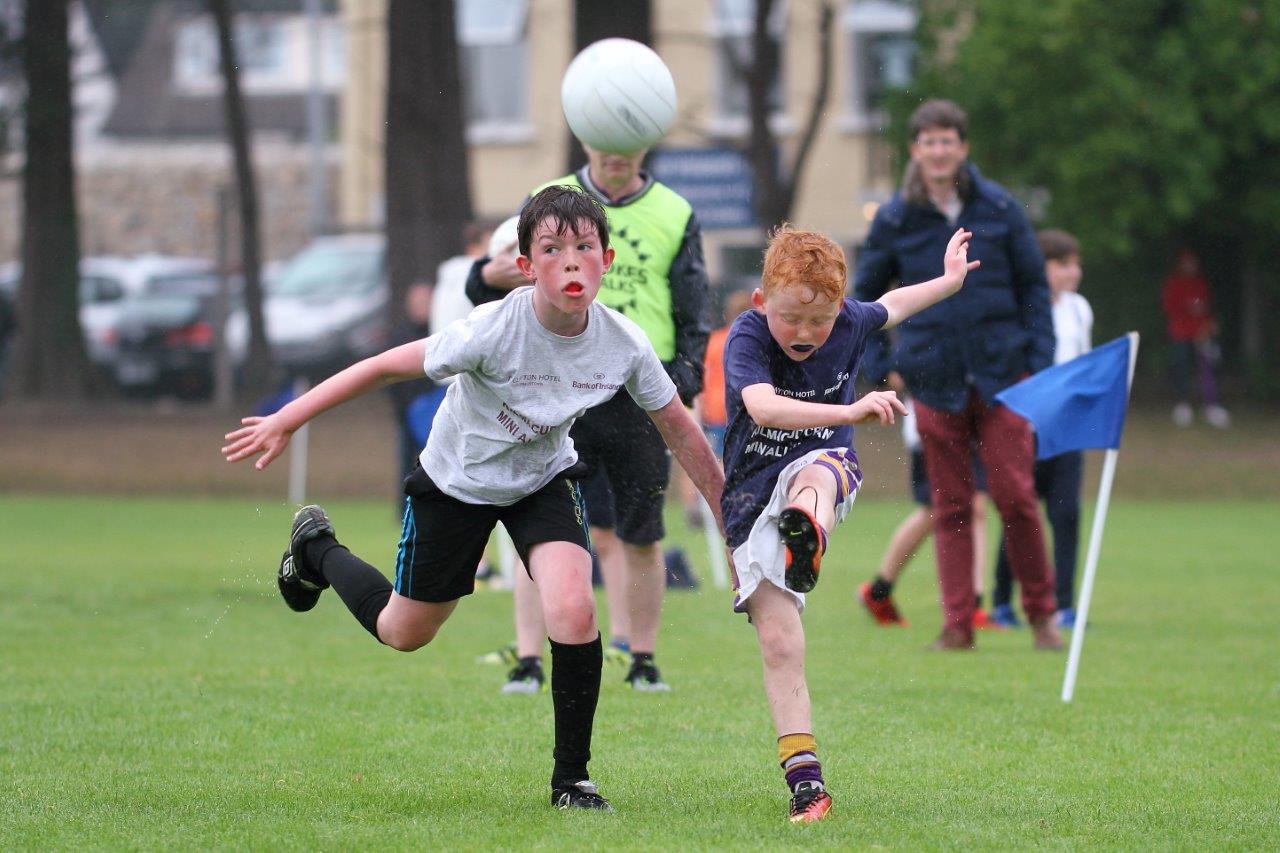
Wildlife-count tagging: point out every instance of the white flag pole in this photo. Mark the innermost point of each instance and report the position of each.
(298, 453)
(1095, 545)
(715, 546)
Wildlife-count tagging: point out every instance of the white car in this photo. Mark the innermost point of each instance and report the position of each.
(326, 309)
(105, 282)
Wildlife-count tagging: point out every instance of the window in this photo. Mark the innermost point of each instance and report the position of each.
(262, 48)
(882, 57)
(732, 28)
(95, 290)
(494, 56)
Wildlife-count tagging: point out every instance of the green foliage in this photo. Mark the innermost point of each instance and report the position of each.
(1150, 123)
(157, 694)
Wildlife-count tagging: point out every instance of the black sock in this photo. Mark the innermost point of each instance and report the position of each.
(361, 587)
(575, 689)
(977, 601)
(881, 589)
(532, 660)
(641, 657)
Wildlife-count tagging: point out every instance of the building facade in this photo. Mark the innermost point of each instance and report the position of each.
(515, 51)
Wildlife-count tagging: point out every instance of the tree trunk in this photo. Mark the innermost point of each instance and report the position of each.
(259, 369)
(592, 21)
(428, 194)
(776, 181)
(50, 360)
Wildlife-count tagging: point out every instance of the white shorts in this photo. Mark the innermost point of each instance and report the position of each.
(763, 557)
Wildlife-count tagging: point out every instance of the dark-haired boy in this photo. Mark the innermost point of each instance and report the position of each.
(525, 368)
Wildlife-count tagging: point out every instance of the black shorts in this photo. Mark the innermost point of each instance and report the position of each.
(628, 467)
(443, 538)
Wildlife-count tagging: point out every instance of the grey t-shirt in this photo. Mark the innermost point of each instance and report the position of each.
(502, 431)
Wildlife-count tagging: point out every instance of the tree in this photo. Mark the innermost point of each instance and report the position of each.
(777, 179)
(427, 190)
(50, 359)
(593, 21)
(1150, 123)
(259, 369)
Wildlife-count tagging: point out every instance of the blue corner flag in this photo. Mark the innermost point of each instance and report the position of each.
(1076, 405)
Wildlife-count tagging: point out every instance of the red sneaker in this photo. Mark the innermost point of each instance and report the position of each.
(810, 804)
(884, 612)
(982, 621)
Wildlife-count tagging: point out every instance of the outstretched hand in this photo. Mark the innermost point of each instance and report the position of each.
(955, 262)
(267, 436)
(876, 405)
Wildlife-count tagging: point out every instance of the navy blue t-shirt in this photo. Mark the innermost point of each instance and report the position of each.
(753, 455)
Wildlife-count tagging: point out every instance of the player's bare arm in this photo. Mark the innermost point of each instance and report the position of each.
(770, 409)
(270, 435)
(902, 302)
(689, 444)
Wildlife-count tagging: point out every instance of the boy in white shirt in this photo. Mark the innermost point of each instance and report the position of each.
(524, 369)
(1057, 478)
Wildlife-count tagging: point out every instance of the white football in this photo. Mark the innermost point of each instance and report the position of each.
(618, 96)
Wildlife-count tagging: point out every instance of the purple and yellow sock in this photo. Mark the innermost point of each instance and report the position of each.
(798, 755)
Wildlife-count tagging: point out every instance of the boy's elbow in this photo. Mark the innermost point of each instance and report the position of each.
(764, 417)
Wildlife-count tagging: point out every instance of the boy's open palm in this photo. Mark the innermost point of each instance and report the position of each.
(267, 436)
(876, 405)
(955, 262)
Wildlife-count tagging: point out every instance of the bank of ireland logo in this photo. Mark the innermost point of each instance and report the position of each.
(599, 376)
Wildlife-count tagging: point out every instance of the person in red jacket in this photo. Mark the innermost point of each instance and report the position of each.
(1186, 302)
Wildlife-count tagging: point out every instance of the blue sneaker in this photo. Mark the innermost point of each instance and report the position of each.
(1065, 618)
(1002, 614)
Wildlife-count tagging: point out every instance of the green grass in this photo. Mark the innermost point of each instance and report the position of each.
(155, 693)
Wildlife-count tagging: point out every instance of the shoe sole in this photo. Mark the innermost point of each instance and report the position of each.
(800, 537)
(515, 688)
(647, 687)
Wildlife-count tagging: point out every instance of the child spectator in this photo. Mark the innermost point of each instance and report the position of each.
(1186, 302)
(1057, 478)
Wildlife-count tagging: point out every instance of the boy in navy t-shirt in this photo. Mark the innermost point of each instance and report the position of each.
(790, 470)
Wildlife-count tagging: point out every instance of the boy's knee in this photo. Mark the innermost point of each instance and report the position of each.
(572, 619)
(780, 647)
(406, 639)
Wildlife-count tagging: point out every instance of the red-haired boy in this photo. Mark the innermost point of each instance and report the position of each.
(790, 470)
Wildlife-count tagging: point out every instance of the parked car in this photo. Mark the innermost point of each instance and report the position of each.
(105, 283)
(326, 310)
(166, 335)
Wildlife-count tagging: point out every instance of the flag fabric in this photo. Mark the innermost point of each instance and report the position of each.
(1079, 404)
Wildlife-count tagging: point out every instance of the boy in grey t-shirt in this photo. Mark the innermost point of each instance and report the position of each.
(499, 451)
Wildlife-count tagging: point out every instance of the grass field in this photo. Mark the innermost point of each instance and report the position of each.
(155, 693)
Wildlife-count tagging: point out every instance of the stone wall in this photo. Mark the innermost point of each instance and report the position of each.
(153, 197)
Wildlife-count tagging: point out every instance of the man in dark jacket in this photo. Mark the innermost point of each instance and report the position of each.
(955, 356)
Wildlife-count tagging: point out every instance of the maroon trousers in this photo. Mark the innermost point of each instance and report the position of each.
(1007, 449)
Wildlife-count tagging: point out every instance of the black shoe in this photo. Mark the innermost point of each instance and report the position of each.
(579, 795)
(803, 539)
(300, 587)
(644, 676)
(527, 677)
(299, 593)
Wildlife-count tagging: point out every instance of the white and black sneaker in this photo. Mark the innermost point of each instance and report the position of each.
(579, 795)
(299, 586)
(645, 677)
(527, 677)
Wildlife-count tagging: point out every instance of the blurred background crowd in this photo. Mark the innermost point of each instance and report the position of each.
(173, 224)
